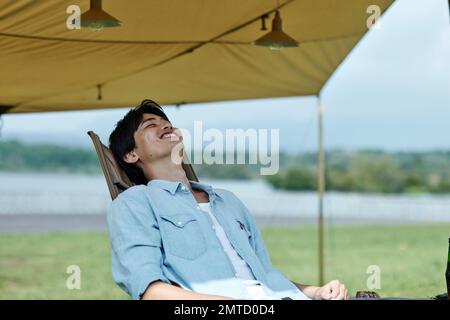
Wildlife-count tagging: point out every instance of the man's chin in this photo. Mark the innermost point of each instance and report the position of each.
(177, 152)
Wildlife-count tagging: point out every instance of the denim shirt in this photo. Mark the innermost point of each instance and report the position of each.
(158, 232)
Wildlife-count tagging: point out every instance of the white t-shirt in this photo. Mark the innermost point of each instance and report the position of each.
(242, 269)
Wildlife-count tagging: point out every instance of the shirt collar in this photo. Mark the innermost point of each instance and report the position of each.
(172, 186)
(207, 188)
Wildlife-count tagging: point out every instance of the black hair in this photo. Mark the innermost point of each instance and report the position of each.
(121, 140)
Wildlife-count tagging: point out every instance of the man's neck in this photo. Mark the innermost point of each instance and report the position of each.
(166, 169)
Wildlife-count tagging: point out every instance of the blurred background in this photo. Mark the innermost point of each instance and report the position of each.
(387, 155)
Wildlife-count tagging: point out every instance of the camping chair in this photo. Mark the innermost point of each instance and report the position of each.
(116, 178)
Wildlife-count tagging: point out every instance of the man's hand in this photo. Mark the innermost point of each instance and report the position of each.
(333, 290)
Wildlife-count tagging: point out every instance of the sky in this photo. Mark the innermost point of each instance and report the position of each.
(392, 93)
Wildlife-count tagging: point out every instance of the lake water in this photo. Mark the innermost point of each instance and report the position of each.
(59, 194)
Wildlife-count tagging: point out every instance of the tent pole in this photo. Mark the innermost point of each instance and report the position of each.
(321, 189)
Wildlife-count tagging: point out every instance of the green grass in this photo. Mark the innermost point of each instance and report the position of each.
(412, 260)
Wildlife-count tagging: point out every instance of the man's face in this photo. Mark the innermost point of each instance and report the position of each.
(155, 138)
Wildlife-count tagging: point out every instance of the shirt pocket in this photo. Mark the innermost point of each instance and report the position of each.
(182, 236)
(243, 231)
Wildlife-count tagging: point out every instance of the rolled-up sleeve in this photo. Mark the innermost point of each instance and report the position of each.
(136, 245)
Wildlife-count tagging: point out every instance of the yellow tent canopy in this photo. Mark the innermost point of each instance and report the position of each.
(171, 51)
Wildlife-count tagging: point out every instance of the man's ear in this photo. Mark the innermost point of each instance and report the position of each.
(131, 157)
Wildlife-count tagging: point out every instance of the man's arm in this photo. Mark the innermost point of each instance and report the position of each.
(309, 290)
(136, 253)
(332, 290)
(160, 290)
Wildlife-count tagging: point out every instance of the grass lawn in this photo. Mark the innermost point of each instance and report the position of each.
(412, 260)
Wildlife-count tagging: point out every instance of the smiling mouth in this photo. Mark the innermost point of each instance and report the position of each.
(169, 135)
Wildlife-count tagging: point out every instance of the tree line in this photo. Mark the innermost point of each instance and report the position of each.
(356, 171)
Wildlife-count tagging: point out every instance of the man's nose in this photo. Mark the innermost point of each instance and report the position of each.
(167, 125)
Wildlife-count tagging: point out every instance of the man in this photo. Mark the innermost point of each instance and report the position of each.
(172, 238)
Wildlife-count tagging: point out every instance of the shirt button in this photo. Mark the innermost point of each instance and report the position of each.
(179, 223)
(236, 275)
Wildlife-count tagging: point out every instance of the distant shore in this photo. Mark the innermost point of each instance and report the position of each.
(44, 223)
